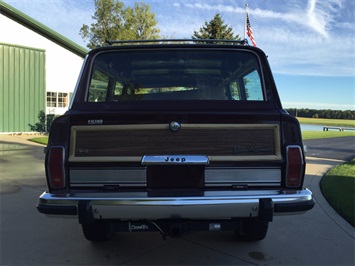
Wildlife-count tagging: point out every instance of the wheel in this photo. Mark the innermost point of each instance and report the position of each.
(98, 231)
(252, 229)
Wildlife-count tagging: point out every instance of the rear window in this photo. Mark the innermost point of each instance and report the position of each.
(175, 75)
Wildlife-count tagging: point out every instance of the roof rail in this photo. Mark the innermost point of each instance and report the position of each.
(160, 41)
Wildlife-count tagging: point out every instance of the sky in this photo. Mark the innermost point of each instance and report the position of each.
(310, 43)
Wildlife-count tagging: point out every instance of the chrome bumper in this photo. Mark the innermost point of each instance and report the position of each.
(213, 205)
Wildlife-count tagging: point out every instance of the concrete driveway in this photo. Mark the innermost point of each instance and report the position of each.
(319, 237)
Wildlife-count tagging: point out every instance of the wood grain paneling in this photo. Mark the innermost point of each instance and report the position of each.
(218, 141)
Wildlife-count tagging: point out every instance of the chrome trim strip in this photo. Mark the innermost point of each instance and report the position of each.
(243, 175)
(107, 176)
(217, 158)
(214, 176)
(174, 160)
(101, 184)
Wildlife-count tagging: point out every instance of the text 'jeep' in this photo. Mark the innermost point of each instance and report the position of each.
(175, 137)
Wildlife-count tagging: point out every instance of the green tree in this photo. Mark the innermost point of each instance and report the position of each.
(215, 29)
(40, 126)
(141, 23)
(332, 114)
(113, 21)
(44, 123)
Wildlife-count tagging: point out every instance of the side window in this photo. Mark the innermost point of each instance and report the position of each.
(246, 87)
(234, 89)
(118, 89)
(253, 88)
(98, 87)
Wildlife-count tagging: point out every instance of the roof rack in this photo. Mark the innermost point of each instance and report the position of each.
(160, 41)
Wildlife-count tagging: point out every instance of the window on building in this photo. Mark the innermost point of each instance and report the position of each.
(58, 99)
(51, 99)
(62, 99)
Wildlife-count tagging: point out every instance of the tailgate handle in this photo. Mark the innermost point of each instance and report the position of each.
(175, 160)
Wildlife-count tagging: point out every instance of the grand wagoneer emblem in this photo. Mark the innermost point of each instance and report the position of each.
(252, 150)
(174, 126)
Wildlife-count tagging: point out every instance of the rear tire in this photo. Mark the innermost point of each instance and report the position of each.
(252, 229)
(98, 231)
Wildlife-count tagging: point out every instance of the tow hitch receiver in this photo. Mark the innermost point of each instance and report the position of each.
(175, 227)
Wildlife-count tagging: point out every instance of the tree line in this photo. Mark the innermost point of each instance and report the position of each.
(112, 21)
(326, 113)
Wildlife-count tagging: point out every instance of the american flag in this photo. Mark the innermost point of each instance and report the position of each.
(249, 31)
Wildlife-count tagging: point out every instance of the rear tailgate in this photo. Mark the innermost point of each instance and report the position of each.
(236, 154)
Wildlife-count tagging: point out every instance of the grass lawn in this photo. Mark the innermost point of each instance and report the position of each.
(327, 122)
(338, 187)
(40, 140)
(326, 134)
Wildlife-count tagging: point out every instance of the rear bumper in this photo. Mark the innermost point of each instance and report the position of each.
(213, 205)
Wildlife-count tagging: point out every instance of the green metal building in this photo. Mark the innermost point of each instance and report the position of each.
(26, 73)
(22, 87)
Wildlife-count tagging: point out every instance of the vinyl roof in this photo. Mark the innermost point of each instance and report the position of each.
(41, 29)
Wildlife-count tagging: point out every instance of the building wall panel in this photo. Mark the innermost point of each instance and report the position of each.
(22, 87)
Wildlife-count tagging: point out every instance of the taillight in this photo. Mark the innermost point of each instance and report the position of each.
(295, 163)
(55, 167)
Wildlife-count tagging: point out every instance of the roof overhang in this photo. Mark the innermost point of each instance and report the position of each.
(41, 29)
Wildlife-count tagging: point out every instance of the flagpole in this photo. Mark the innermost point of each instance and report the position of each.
(245, 22)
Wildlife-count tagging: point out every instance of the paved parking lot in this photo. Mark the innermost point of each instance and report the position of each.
(319, 237)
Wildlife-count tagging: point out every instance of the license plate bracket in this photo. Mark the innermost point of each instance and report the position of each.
(175, 179)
